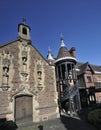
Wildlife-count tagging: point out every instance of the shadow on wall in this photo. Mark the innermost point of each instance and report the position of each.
(76, 124)
(8, 125)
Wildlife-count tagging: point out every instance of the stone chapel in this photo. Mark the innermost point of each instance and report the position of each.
(27, 81)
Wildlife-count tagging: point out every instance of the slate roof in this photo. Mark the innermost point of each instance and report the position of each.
(96, 68)
(83, 66)
(63, 52)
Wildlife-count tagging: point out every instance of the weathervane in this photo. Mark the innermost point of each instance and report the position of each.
(62, 40)
(61, 37)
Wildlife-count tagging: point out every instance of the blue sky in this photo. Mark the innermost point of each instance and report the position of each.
(78, 20)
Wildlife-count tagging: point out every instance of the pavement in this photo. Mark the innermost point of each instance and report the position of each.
(63, 123)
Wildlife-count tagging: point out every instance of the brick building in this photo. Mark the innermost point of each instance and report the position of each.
(89, 83)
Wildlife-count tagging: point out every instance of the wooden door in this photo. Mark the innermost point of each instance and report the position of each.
(23, 108)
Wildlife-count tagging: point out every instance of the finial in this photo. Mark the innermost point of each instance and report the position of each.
(24, 21)
(49, 57)
(62, 40)
(61, 37)
(49, 50)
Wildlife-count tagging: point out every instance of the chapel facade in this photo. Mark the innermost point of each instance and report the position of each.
(27, 81)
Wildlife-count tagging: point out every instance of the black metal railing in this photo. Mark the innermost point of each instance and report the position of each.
(69, 91)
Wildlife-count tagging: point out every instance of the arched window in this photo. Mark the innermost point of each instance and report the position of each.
(24, 31)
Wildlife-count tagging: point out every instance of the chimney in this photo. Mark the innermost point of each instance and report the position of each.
(73, 52)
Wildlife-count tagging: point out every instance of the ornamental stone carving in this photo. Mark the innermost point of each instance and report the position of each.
(39, 75)
(24, 60)
(6, 57)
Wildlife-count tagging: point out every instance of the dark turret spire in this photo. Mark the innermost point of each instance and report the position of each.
(64, 53)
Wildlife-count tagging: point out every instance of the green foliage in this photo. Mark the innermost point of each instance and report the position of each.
(94, 117)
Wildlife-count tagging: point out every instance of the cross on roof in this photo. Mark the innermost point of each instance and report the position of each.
(24, 21)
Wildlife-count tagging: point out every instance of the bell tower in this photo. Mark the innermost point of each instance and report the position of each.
(24, 30)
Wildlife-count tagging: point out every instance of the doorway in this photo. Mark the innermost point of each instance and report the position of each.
(23, 108)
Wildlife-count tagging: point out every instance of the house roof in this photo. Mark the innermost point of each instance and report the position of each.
(97, 69)
(82, 67)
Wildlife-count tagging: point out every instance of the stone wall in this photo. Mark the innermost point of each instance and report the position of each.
(27, 74)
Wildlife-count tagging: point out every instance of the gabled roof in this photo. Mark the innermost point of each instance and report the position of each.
(83, 68)
(18, 39)
(7, 43)
(96, 69)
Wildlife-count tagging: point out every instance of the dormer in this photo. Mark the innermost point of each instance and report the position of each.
(24, 30)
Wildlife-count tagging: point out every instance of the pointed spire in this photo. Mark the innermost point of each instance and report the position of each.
(49, 56)
(62, 41)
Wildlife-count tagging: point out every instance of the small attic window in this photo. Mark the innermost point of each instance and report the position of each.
(24, 31)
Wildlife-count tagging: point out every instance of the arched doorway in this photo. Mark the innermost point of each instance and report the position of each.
(23, 108)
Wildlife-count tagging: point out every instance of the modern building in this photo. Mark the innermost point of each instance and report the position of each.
(34, 88)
